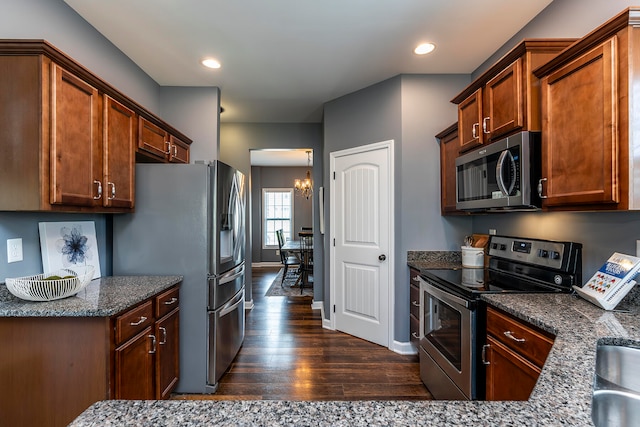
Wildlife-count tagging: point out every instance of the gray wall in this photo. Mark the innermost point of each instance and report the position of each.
(194, 110)
(276, 177)
(410, 109)
(237, 139)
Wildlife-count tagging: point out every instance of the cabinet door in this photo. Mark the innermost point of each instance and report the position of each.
(179, 150)
(152, 140)
(76, 143)
(579, 130)
(470, 121)
(449, 148)
(134, 367)
(509, 376)
(503, 102)
(119, 154)
(167, 358)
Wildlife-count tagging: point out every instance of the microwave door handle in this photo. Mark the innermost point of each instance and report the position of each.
(506, 154)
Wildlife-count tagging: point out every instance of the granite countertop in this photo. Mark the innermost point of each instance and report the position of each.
(562, 396)
(102, 297)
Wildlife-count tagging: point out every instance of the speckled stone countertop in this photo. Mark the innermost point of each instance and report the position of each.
(102, 297)
(562, 396)
(434, 259)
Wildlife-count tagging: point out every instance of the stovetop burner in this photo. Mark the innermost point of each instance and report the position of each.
(517, 265)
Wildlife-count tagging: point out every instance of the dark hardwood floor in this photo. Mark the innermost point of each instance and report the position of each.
(287, 355)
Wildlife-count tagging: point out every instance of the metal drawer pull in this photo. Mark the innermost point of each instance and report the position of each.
(484, 354)
(416, 336)
(139, 322)
(171, 301)
(416, 278)
(540, 181)
(153, 344)
(168, 144)
(415, 303)
(509, 334)
(164, 335)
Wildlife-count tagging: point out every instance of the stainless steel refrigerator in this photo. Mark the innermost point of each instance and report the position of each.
(189, 220)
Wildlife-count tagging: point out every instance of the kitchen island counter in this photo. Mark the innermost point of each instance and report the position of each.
(561, 397)
(102, 297)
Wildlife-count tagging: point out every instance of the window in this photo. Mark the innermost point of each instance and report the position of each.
(277, 213)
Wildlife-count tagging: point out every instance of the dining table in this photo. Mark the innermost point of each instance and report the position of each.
(305, 256)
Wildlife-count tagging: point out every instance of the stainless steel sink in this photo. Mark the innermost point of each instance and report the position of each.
(616, 387)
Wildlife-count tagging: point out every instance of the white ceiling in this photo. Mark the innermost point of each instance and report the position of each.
(282, 59)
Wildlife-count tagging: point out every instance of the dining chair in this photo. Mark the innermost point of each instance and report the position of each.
(306, 252)
(285, 258)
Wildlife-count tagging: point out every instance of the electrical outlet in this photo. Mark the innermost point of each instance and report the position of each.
(492, 231)
(638, 248)
(14, 250)
(277, 252)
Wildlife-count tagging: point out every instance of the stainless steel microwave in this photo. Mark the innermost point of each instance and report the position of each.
(501, 175)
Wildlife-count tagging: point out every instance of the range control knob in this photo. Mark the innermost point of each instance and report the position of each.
(494, 246)
(554, 255)
(542, 253)
(557, 279)
(503, 247)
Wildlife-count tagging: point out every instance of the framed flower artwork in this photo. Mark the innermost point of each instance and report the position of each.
(69, 244)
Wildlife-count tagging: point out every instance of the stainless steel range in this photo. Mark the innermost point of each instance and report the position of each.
(453, 315)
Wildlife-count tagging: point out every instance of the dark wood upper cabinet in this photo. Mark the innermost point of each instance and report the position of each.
(70, 139)
(506, 98)
(590, 131)
(449, 148)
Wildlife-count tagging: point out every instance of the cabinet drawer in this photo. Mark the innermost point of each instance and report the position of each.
(414, 301)
(133, 321)
(167, 301)
(414, 325)
(531, 343)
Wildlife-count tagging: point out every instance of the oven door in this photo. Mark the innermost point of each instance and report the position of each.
(446, 344)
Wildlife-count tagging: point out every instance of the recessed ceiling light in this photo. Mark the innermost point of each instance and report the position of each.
(211, 63)
(424, 48)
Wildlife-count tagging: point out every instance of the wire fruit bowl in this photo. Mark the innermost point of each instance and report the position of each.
(51, 286)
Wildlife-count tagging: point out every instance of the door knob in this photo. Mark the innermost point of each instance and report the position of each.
(382, 257)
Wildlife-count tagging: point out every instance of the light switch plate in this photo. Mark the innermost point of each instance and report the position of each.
(14, 250)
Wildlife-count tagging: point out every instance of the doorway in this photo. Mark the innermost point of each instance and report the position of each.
(361, 258)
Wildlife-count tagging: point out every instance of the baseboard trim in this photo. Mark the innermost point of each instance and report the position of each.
(403, 348)
(265, 264)
(317, 305)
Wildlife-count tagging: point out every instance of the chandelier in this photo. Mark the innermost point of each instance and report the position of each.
(304, 186)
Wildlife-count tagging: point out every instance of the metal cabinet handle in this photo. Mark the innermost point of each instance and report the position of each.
(164, 335)
(171, 301)
(113, 190)
(416, 278)
(139, 322)
(484, 354)
(415, 303)
(416, 336)
(474, 131)
(153, 343)
(484, 124)
(540, 188)
(175, 151)
(168, 144)
(99, 196)
(509, 335)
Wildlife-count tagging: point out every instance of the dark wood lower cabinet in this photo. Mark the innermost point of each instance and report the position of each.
(134, 367)
(53, 368)
(509, 376)
(514, 356)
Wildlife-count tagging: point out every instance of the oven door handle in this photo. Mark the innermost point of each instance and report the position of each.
(443, 295)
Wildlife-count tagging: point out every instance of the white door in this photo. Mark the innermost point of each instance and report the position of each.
(361, 262)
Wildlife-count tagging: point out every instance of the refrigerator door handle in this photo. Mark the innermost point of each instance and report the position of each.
(231, 276)
(230, 306)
